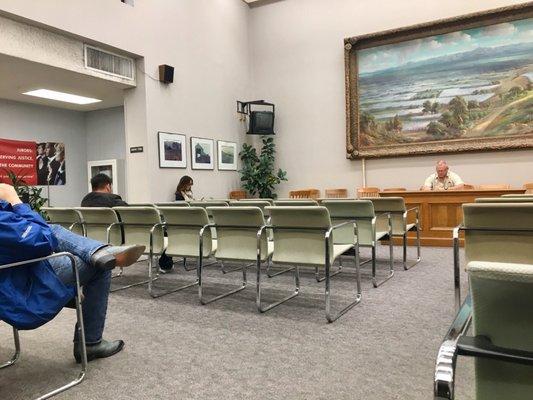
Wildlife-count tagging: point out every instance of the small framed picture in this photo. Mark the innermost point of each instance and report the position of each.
(172, 150)
(202, 153)
(227, 156)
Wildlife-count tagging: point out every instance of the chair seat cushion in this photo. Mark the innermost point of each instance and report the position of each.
(339, 249)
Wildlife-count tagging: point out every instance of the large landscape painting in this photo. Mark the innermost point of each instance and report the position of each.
(447, 92)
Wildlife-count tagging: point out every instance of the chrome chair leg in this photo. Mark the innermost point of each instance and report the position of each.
(270, 306)
(151, 290)
(333, 317)
(204, 301)
(322, 278)
(269, 268)
(16, 355)
(418, 258)
(375, 282)
(81, 335)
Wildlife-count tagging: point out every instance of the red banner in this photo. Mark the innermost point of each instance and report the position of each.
(19, 157)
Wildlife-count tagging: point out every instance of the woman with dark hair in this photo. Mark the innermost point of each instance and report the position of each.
(183, 191)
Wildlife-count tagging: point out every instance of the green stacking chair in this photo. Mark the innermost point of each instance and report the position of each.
(305, 236)
(400, 225)
(143, 225)
(68, 217)
(184, 226)
(241, 238)
(371, 228)
(499, 256)
(296, 202)
(173, 204)
(210, 203)
(97, 223)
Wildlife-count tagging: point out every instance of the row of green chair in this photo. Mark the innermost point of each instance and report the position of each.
(499, 262)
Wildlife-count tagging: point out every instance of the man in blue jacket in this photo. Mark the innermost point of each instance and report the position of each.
(32, 295)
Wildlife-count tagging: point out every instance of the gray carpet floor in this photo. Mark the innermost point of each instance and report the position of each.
(384, 348)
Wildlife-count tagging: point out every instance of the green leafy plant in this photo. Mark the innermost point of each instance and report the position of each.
(28, 194)
(257, 173)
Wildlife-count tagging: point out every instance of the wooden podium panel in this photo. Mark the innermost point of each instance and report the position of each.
(441, 211)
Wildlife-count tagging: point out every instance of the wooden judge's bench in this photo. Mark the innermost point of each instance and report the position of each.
(441, 211)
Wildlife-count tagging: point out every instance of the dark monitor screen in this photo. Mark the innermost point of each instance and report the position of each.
(261, 123)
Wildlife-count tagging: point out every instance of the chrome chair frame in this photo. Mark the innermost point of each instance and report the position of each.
(373, 220)
(404, 236)
(80, 327)
(151, 279)
(457, 343)
(444, 379)
(456, 261)
(201, 297)
(327, 242)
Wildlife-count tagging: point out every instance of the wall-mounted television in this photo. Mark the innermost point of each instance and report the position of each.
(261, 123)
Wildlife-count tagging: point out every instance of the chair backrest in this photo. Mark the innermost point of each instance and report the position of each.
(467, 186)
(502, 299)
(183, 229)
(518, 195)
(237, 229)
(68, 218)
(314, 193)
(180, 203)
(97, 220)
(514, 247)
(237, 194)
(367, 192)
(504, 199)
(141, 205)
(394, 205)
(344, 210)
(336, 193)
(529, 188)
(397, 189)
(296, 203)
(300, 194)
(299, 234)
(252, 203)
(138, 221)
(502, 186)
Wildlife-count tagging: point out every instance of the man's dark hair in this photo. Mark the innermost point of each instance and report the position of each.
(99, 181)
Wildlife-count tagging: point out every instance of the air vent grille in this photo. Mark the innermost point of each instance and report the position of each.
(109, 63)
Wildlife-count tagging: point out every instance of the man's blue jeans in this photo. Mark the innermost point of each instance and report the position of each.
(95, 281)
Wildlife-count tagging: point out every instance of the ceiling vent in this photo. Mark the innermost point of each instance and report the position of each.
(109, 63)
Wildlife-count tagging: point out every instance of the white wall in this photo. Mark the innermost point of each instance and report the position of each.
(207, 43)
(298, 63)
(105, 135)
(22, 121)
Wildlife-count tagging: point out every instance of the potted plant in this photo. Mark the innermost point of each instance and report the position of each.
(28, 194)
(257, 173)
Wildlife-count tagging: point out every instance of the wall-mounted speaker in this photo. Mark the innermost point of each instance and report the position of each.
(166, 73)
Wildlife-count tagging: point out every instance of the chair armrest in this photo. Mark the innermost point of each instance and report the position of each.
(482, 346)
(447, 356)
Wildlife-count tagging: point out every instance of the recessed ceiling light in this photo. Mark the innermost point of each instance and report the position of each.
(60, 96)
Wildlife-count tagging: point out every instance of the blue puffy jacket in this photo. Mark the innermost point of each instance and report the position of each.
(30, 295)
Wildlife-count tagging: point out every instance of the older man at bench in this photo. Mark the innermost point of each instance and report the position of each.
(24, 235)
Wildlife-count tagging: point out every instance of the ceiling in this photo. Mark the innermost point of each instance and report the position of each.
(19, 76)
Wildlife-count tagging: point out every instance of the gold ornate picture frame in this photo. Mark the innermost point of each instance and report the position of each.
(453, 85)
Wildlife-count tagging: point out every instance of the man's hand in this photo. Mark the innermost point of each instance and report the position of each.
(9, 194)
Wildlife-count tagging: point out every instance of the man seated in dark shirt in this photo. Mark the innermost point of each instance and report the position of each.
(102, 195)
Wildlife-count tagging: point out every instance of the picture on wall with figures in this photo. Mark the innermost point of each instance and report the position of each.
(50, 163)
(202, 151)
(172, 153)
(227, 156)
(467, 89)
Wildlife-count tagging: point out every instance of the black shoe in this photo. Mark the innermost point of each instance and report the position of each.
(100, 350)
(110, 257)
